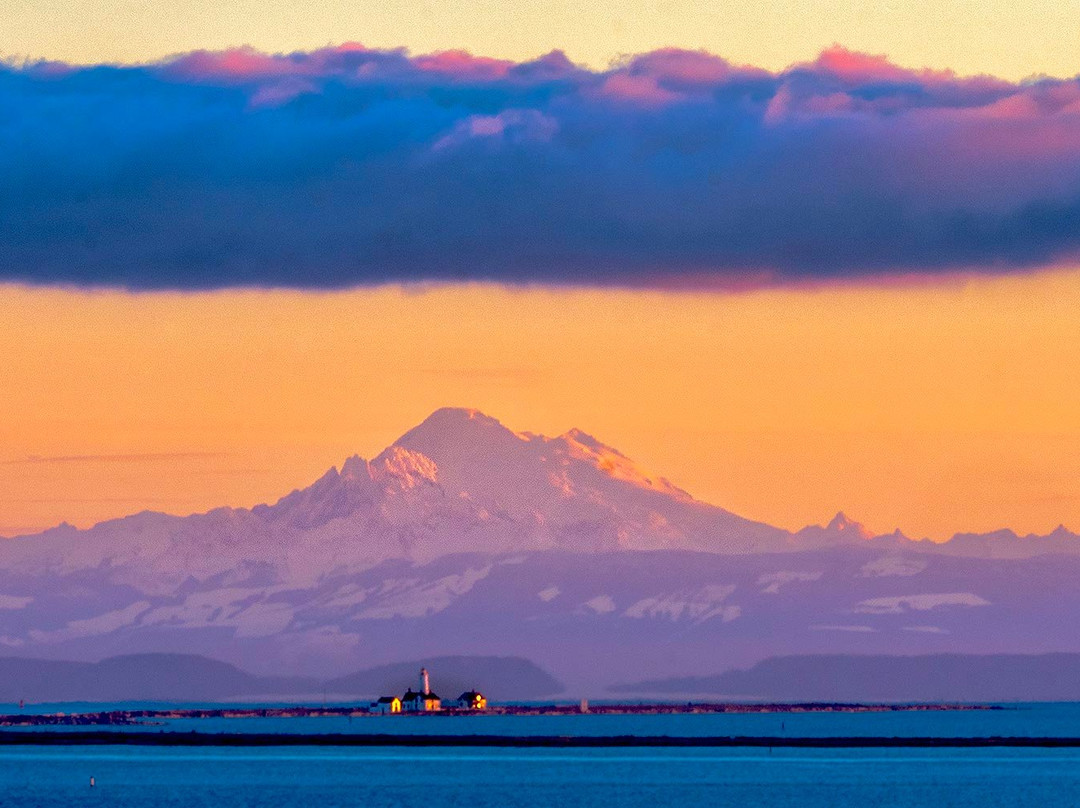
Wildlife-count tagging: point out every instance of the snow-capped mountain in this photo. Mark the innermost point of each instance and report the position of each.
(464, 536)
(458, 482)
(462, 482)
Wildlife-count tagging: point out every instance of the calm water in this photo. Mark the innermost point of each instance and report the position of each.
(501, 778)
(1021, 719)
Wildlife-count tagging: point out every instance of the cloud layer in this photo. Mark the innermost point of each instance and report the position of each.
(348, 166)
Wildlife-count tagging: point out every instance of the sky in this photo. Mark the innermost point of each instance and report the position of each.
(1004, 38)
(934, 407)
(792, 276)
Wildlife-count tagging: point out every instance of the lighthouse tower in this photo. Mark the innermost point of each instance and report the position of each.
(422, 699)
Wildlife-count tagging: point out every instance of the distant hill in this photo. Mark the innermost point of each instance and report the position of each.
(852, 678)
(137, 677)
(498, 678)
(189, 677)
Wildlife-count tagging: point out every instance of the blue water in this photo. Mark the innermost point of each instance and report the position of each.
(1040, 719)
(501, 778)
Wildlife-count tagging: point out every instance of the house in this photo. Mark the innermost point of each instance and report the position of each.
(414, 702)
(386, 704)
(471, 700)
(424, 700)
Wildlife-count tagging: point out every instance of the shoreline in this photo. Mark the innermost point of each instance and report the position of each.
(152, 716)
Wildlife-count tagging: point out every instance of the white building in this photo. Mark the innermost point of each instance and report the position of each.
(386, 704)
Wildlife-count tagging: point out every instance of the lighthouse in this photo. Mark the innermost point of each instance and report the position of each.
(422, 699)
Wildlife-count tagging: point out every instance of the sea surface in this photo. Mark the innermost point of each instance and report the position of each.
(540, 778)
(311, 777)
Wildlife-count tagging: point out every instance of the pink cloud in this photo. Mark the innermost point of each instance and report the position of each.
(233, 63)
(462, 63)
(860, 67)
(692, 67)
(638, 89)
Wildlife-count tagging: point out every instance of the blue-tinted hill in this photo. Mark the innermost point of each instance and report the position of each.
(853, 678)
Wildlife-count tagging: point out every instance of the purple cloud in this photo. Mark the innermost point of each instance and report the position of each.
(348, 166)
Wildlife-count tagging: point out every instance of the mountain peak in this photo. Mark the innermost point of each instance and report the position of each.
(407, 467)
(451, 430)
(840, 530)
(457, 418)
(839, 522)
(354, 468)
(848, 527)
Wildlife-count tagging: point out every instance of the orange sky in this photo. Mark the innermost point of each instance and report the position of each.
(933, 407)
(1014, 38)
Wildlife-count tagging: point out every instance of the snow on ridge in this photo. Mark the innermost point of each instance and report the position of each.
(601, 604)
(404, 466)
(206, 608)
(698, 605)
(105, 623)
(772, 581)
(410, 597)
(898, 604)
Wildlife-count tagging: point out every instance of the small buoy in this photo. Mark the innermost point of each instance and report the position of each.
(92, 782)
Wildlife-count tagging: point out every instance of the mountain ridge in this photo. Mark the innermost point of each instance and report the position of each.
(464, 537)
(175, 677)
(589, 619)
(458, 482)
(446, 453)
(943, 677)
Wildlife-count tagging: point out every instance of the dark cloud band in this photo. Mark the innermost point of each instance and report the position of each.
(348, 166)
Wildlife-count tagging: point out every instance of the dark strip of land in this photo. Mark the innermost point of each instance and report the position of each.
(114, 718)
(241, 739)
